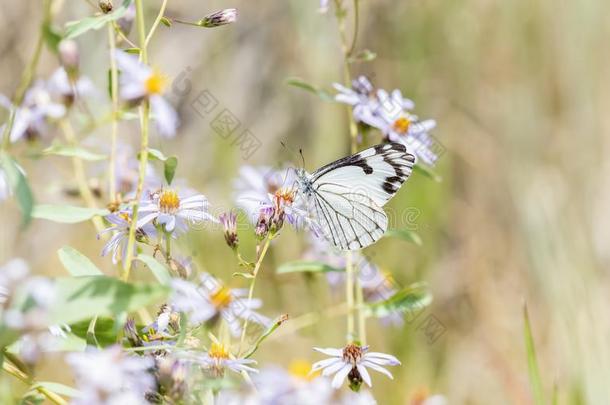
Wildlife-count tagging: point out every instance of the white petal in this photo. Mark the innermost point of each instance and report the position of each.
(391, 360)
(340, 376)
(146, 219)
(165, 116)
(364, 374)
(325, 363)
(332, 369)
(376, 367)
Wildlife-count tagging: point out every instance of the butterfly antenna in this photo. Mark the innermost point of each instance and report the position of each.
(302, 157)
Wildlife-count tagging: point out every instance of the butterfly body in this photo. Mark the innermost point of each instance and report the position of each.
(346, 196)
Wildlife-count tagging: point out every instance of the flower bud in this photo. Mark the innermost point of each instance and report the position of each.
(126, 21)
(229, 222)
(69, 57)
(105, 6)
(222, 17)
(264, 222)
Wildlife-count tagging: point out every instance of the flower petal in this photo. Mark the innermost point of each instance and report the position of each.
(329, 351)
(340, 376)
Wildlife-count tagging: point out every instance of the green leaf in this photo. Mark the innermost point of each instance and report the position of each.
(72, 151)
(51, 36)
(302, 84)
(412, 298)
(155, 154)
(57, 388)
(66, 214)
(20, 188)
(404, 234)
(532, 362)
(76, 28)
(158, 270)
(81, 298)
(305, 266)
(166, 21)
(276, 324)
(76, 263)
(363, 56)
(169, 168)
(104, 331)
(426, 171)
(134, 51)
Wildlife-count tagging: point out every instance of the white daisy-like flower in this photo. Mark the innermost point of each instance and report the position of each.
(211, 299)
(268, 195)
(367, 102)
(352, 362)
(32, 117)
(110, 377)
(68, 90)
(139, 82)
(117, 244)
(174, 212)
(218, 359)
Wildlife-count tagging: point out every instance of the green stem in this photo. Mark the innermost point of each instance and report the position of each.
(28, 74)
(357, 304)
(257, 267)
(23, 377)
(156, 23)
(144, 117)
(114, 90)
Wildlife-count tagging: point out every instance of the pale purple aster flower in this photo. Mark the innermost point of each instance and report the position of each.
(276, 385)
(68, 90)
(218, 359)
(174, 212)
(32, 116)
(399, 125)
(210, 299)
(42, 293)
(120, 224)
(110, 377)
(263, 192)
(138, 82)
(352, 362)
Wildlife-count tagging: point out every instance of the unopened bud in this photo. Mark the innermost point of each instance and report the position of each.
(69, 57)
(105, 6)
(222, 17)
(229, 223)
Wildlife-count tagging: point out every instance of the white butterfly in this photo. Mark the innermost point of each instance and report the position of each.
(346, 196)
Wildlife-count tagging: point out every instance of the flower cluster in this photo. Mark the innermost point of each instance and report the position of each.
(391, 114)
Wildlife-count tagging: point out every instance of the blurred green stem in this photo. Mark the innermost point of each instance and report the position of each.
(28, 74)
(23, 377)
(351, 275)
(115, 106)
(144, 117)
(156, 23)
(80, 174)
(257, 267)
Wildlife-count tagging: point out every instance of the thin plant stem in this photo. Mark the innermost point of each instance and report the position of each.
(114, 89)
(28, 75)
(80, 175)
(156, 23)
(121, 34)
(352, 280)
(23, 377)
(257, 267)
(144, 118)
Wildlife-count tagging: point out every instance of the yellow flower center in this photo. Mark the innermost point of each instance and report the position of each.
(401, 125)
(169, 202)
(300, 368)
(285, 195)
(222, 297)
(125, 216)
(218, 351)
(155, 83)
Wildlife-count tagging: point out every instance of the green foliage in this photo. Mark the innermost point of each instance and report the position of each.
(302, 84)
(532, 362)
(76, 263)
(170, 163)
(19, 186)
(427, 172)
(404, 234)
(276, 324)
(82, 298)
(66, 214)
(104, 331)
(77, 28)
(412, 298)
(72, 151)
(160, 272)
(57, 388)
(306, 266)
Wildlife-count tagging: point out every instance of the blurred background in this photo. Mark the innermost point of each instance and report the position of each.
(519, 90)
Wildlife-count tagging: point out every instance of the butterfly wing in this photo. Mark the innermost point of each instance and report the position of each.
(350, 192)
